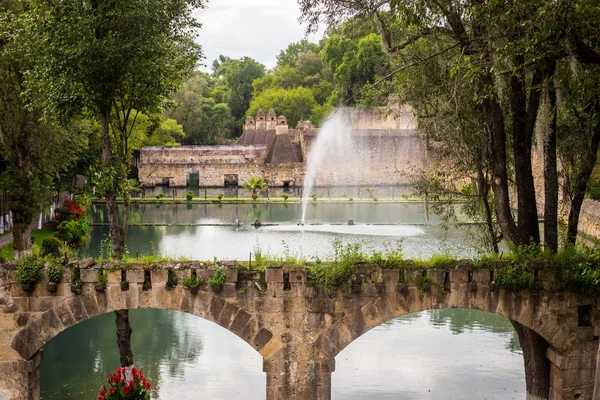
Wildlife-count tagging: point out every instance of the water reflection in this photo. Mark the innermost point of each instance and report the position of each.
(438, 355)
(179, 353)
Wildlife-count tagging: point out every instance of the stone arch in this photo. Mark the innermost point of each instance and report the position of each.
(542, 315)
(63, 313)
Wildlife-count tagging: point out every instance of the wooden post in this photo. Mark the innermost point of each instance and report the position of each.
(204, 193)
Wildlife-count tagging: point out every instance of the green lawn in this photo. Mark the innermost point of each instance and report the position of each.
(7, 252)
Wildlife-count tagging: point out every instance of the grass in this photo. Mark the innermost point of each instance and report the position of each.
(7, 252)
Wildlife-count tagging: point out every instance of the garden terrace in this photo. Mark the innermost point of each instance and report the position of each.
(296, 322)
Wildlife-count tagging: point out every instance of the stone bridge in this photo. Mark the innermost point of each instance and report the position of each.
(298, 327)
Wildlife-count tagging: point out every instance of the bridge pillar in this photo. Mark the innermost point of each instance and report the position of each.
(298, 380)
(573, 372)
(20, 379)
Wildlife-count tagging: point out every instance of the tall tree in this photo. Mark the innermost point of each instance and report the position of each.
(112, 60)
(34, 151)
(507, 55)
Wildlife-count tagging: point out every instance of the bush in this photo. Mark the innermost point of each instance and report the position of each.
(189, 196)
(51, 247)
(218, 277)
(192, 281)
(54, 271)
(314, 196)
(160, 196)
(74, 233)
(254, 196)
(29, 269)
(285, 196)
(220, 196)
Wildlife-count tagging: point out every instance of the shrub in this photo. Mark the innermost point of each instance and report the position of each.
(119, 389)
(189, 196)
(54, 271)
(218, 277)
(514, 276)
(314, 196)
(220, 196)
(285, 196)
(350, 199)
(160, 196)
(254, 196)
(29, 269)
(51, 247)
(192, 281)
(74, 233)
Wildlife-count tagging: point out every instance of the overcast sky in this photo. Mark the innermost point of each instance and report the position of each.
(254, 28)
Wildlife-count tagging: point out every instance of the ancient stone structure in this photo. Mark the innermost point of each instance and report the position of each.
(299, 328)
(270, 149)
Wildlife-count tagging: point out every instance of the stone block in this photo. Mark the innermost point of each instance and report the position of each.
(182, 274)
(481, 276)
(436, 275)
(231, 274)
(159, 276)
(459, 276)
(135, 276)
(229, 290)
(113, 276)
(298, 276)
(391, 276)
(274, 275)
(88, 275)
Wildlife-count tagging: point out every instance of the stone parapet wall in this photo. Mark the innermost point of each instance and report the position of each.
(298, 327)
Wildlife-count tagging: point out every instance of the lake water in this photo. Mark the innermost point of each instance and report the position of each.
(438, 354)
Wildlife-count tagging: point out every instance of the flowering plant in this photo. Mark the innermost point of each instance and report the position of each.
(69, 211)
(121, 389)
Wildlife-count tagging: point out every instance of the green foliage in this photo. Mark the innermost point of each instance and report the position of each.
(192, 281)
(160, 196)
(285, 196)
(256, 185)
(51, 247)
(314, 196)
(296, 104)
(438, 260)
(189, 196)
(338, 270)
(55, 270)
(102, 278)
(514, 276)
(29, 269)
(593, 189)
(220, 196)
(171, 279)
(218, 277)
(74, 233)
(579, 269)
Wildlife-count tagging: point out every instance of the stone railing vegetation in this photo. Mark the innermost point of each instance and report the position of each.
(574, 269)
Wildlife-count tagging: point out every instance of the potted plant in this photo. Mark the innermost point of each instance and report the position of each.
(29, 272)
(217, 280)
(126, 386)
(171, 279)
(76, 283)
(192, 283)
(102, 281)
(54, 274)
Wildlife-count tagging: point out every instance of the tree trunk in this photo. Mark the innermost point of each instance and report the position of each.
(580, 186)
(124, 338)
(118, 248)
(21, 239)
(495, 124)
(550, 169)
(537, 366)
(523, 124)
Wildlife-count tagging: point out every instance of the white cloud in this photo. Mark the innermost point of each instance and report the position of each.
(255, 28)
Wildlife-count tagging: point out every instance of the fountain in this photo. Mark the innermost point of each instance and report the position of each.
(335, 145)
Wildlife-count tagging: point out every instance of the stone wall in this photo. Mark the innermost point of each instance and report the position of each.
(298, 328)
